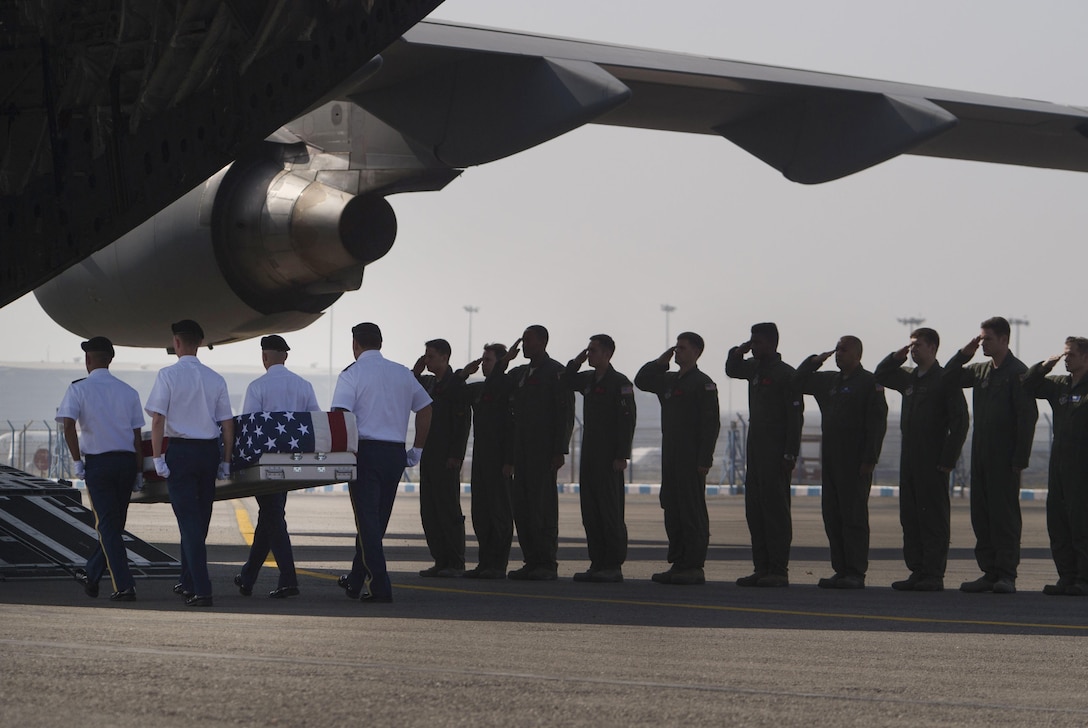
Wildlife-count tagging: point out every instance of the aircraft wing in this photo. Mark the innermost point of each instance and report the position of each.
(812, 127)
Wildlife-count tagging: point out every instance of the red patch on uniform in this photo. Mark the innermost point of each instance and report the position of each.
(677, 392)
(598, 390)
(765, 381)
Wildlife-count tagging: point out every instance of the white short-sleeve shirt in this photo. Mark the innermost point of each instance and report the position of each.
(280, 390)
(192, 397)
(381, 394)
(107, 410)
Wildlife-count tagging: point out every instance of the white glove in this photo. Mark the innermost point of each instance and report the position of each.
(80, 468)
(413, 456)
(160, 466)
(224, 471)
(138, 484)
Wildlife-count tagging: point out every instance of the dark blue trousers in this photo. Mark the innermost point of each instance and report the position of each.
(270, 534)
(380, 466)
(109, 483)
(193, 466)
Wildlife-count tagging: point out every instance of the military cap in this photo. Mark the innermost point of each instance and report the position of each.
(187, 326)
(274, 343)
(98, 343)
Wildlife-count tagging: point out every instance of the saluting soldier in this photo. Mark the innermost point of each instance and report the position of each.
(776, 414)
(109, 459)
(492, 448)
(440, 465)
(854, 418)
(543, 414)
(1067, 495)
(690, 422)
(608, 414)
(1005, 418)
(934, 423)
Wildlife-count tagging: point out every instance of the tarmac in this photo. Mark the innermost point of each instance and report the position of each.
(452, 652)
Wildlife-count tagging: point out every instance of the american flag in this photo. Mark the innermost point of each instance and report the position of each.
(287, 432)
(261, 432)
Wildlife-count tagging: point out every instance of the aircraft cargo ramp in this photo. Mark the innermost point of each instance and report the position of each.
(45, 531)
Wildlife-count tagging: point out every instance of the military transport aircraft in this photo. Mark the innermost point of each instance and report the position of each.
(276, 236)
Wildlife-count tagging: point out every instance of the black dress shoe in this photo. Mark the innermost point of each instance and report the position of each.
(125, 595)
(199, 601)
(89, 588)
(242, 588)
(376, 599)
(283, 592)
(179, 589)
(344, 584)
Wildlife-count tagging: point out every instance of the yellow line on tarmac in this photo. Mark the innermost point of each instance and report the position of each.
(750, 610)
(245, 526)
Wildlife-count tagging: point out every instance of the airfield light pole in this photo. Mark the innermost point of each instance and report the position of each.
(1018, 322)
(668, 309)
(911, 322)
(470, 310)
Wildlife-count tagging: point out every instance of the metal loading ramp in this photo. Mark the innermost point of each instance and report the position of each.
(45, 531)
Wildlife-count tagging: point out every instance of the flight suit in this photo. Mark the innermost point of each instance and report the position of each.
(854, 418)
(439, 485)
(492, 447)
(776, 414)
(690, 422)
(1005, 418)
(543, 416)
(934, 423)
(608, 415)
(1067, 498)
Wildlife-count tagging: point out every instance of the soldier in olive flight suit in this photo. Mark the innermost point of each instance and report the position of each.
(608, 415)
(543, 415)
(854, 418)
(1005, 418)
(440, 463)
(492, 448)
(934, 422)
(690, 422)
(1067, 497)
(776, 414)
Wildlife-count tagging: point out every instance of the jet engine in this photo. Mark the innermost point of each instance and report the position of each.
(259, 247)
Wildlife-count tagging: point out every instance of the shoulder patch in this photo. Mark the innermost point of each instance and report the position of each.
(627, 389)
(879, 388)
(711, 387)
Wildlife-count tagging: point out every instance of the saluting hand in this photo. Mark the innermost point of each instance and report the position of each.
(420, 365)
(512, 352)
(745, 347)
(901, 355)
(972, 346)
(825, 356)
(582, 356)
(1052, 361)
(471, 368)
(667, 356)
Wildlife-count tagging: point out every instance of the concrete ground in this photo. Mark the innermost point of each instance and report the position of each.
(460, 652)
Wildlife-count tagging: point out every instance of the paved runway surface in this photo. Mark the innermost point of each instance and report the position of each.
(460, 652)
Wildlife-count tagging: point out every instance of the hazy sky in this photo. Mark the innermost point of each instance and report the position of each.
(593, 231)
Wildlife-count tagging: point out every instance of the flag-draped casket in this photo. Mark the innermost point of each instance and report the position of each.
(273, 452)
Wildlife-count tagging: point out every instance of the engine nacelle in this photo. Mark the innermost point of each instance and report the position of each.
(254, 249)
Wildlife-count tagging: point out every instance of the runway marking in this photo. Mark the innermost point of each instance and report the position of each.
(64, 648)
(246, 528)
